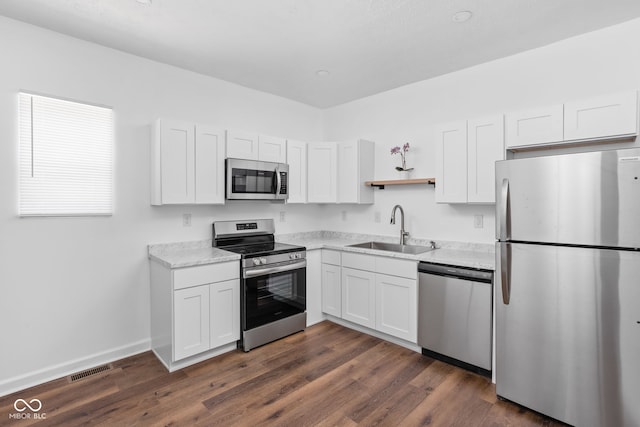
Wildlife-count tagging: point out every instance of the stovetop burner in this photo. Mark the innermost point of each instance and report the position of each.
(262, 249)
(253, 238)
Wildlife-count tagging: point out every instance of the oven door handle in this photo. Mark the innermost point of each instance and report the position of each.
(271, 270)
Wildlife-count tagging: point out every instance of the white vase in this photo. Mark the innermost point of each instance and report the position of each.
(405, 174)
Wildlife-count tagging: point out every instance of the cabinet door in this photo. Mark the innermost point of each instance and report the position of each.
(224, 312)
(209, 165)
(396, 307)
(272, 149)
(485, 146)
(297, 160)
(322, 172)
(190, 321)
(359, 297)
(601, 117)
(314, 287)
(331, 290)
(177, 162)
(348, 172)
(451, 163)
(242, 145)
(532, 127)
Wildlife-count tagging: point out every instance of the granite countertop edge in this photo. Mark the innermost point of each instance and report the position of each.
(188, 254)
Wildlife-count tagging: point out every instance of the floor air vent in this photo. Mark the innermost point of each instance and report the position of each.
(90, 372)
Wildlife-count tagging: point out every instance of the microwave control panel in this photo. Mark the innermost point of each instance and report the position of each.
(283, 182)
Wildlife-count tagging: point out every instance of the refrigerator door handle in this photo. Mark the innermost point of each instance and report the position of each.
(505, 214)
(505, 271)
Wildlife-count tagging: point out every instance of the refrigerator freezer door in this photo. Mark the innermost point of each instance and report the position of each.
(590, 199)
(568, 341)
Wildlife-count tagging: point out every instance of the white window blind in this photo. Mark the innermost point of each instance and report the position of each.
(66, 158)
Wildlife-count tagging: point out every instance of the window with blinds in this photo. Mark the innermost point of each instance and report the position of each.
(66, 158)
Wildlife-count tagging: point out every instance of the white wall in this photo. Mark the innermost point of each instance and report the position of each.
(596, 63)
(74, 291)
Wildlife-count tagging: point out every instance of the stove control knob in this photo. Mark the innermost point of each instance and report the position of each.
(292, 256)
(256, 261)
(263, 260)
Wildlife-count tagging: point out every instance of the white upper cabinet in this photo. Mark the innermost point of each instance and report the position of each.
(297, 160)
(209, 163)
(451, 162)
(485, 146)
(251, 146)
(532, 127)
(242, 145)
(322, 167)
(336, 172)
(187, 163)
(355, 166)
(466, 156)
(272, 149)
(605, 116)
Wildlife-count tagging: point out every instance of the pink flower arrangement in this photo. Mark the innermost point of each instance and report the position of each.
(403, 154)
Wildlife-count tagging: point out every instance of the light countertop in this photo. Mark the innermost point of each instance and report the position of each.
(187, 254)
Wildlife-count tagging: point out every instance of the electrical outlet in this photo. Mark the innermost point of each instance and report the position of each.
(478, 221)
(376, 217)
(186, 220)
(344, 215)
(283, 216)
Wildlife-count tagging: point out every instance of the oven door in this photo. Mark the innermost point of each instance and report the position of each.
(273, 292)
(254, 180)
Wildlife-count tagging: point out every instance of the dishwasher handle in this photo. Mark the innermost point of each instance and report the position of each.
(471, 274)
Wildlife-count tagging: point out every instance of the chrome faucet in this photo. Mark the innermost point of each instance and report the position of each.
(403, 234)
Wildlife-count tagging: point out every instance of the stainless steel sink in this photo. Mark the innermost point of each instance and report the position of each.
(392, 247)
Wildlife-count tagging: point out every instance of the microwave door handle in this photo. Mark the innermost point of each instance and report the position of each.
(278, 182)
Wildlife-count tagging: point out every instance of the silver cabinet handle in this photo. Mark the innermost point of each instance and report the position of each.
(270, 270)
(505, 271)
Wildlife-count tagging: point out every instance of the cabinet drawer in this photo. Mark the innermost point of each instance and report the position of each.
(203, 274)
(397, 267)
(359, 261)
(330, 257)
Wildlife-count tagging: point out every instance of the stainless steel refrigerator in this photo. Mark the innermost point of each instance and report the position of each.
(568, 286)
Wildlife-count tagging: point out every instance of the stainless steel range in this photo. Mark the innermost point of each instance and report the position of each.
(273, 280)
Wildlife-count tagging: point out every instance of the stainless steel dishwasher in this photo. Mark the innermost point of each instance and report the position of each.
(455, 315)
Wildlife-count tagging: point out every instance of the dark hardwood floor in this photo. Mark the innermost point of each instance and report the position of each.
(326, 376)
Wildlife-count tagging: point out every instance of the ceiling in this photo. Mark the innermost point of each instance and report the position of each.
(278, 46)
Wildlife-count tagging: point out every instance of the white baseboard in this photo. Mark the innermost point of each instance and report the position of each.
(21, 382)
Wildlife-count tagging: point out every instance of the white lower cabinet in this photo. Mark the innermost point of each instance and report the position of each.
(195, 312)
(314, 287)
(359, 297)
(224, 312)
(191, 321)
(380, 293)
(331, 283)
(397, 306)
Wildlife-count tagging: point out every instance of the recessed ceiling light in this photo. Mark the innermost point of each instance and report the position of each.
(322, 73)
(462, 16)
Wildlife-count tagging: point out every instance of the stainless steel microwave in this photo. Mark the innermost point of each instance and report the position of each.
(255, 180)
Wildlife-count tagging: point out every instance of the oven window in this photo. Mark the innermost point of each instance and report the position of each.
(252, 181)
(273, 297)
